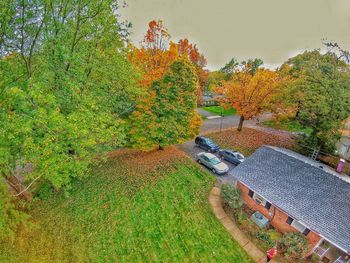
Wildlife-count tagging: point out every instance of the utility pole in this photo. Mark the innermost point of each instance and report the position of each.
(222, 116)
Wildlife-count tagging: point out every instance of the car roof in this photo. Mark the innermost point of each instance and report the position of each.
(203, 137)
(232, 151)
(209, 155)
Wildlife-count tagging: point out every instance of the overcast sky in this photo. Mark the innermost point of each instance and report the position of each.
(269, 29)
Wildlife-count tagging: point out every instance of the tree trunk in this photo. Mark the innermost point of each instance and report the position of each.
(160, 147)
(240, 125)
(18, 187)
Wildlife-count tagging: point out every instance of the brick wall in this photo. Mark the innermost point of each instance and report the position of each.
(277, 217)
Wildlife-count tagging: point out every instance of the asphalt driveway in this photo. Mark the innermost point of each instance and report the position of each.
(214, 125)
(192, 150)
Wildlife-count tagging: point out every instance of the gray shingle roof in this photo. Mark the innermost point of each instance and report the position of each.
(314, 196)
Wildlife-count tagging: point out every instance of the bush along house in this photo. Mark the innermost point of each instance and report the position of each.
(296, 193)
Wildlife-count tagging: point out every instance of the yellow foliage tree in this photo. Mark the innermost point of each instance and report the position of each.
(251, 94)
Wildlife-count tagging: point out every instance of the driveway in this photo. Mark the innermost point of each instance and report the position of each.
(192, 150)
(214, 125)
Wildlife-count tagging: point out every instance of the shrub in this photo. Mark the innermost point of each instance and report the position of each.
(265, 237)
(241, 217)
(44, 192)
(293, 245)
(231, 195)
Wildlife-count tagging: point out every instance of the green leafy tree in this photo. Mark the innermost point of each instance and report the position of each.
(172, 112)
(321, 96)
(65, 89)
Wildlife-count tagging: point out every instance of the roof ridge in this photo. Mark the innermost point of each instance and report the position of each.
(323, 167)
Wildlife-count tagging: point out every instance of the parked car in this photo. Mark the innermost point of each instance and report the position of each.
(206, 144)
(212, 162)
(231, 156)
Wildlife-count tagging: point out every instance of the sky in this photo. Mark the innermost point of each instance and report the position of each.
(272, 30)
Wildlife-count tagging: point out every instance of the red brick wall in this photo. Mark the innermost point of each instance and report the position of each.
(277, 217)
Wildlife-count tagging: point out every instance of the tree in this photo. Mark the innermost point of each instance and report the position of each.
(65, 88)
(251, 91)
(321, 96)
(185, 47)
(171, 117)
(157, 36)
(229, 68)
(154, 63)
(198, 60)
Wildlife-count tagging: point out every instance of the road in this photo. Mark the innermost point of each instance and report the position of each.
(212, 125)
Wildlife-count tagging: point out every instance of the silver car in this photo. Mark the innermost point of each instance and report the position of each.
(212, 162)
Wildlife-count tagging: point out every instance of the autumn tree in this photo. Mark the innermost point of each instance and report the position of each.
(198, 60)
(154, 62)
(157, 36)
(250, 91)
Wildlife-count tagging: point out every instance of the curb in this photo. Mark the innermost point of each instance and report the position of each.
(215, 202)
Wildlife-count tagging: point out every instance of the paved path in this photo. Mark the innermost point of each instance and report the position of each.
(204, 113)
(254, 252)
(231, 121)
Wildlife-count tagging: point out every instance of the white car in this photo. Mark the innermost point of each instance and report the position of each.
(212, 162)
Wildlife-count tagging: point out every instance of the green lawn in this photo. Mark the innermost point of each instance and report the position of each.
(217, 110)
(127, 211)
(287, 125)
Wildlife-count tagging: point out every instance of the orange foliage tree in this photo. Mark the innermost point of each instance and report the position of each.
(251, 94)
(157, 36)
(198, 60)
(153, 60)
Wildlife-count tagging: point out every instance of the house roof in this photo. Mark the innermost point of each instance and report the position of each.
(315, 196)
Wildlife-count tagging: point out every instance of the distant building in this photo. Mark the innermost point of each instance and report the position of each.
(297, 193)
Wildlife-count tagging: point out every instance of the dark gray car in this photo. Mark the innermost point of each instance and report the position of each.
(231, 156)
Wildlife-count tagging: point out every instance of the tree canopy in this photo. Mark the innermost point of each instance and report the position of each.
(321, 95)
(65, 87)
(251, 90)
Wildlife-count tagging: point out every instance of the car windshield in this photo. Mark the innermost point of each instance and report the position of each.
(240, 156)
(215, 160)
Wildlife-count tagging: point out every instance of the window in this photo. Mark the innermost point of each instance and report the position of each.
(251, 193)
(298, 226)
(259, 199)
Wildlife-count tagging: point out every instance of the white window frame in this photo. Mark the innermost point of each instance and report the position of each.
(298, 226)
(259, 199)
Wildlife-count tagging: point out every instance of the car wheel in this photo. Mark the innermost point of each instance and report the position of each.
(222, 158)
(199, 161)
(213, 170)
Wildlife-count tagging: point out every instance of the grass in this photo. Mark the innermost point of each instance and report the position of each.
(217, 110)
(287, 125)
(137, 207)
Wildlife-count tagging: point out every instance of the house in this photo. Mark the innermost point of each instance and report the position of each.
(297, 193)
